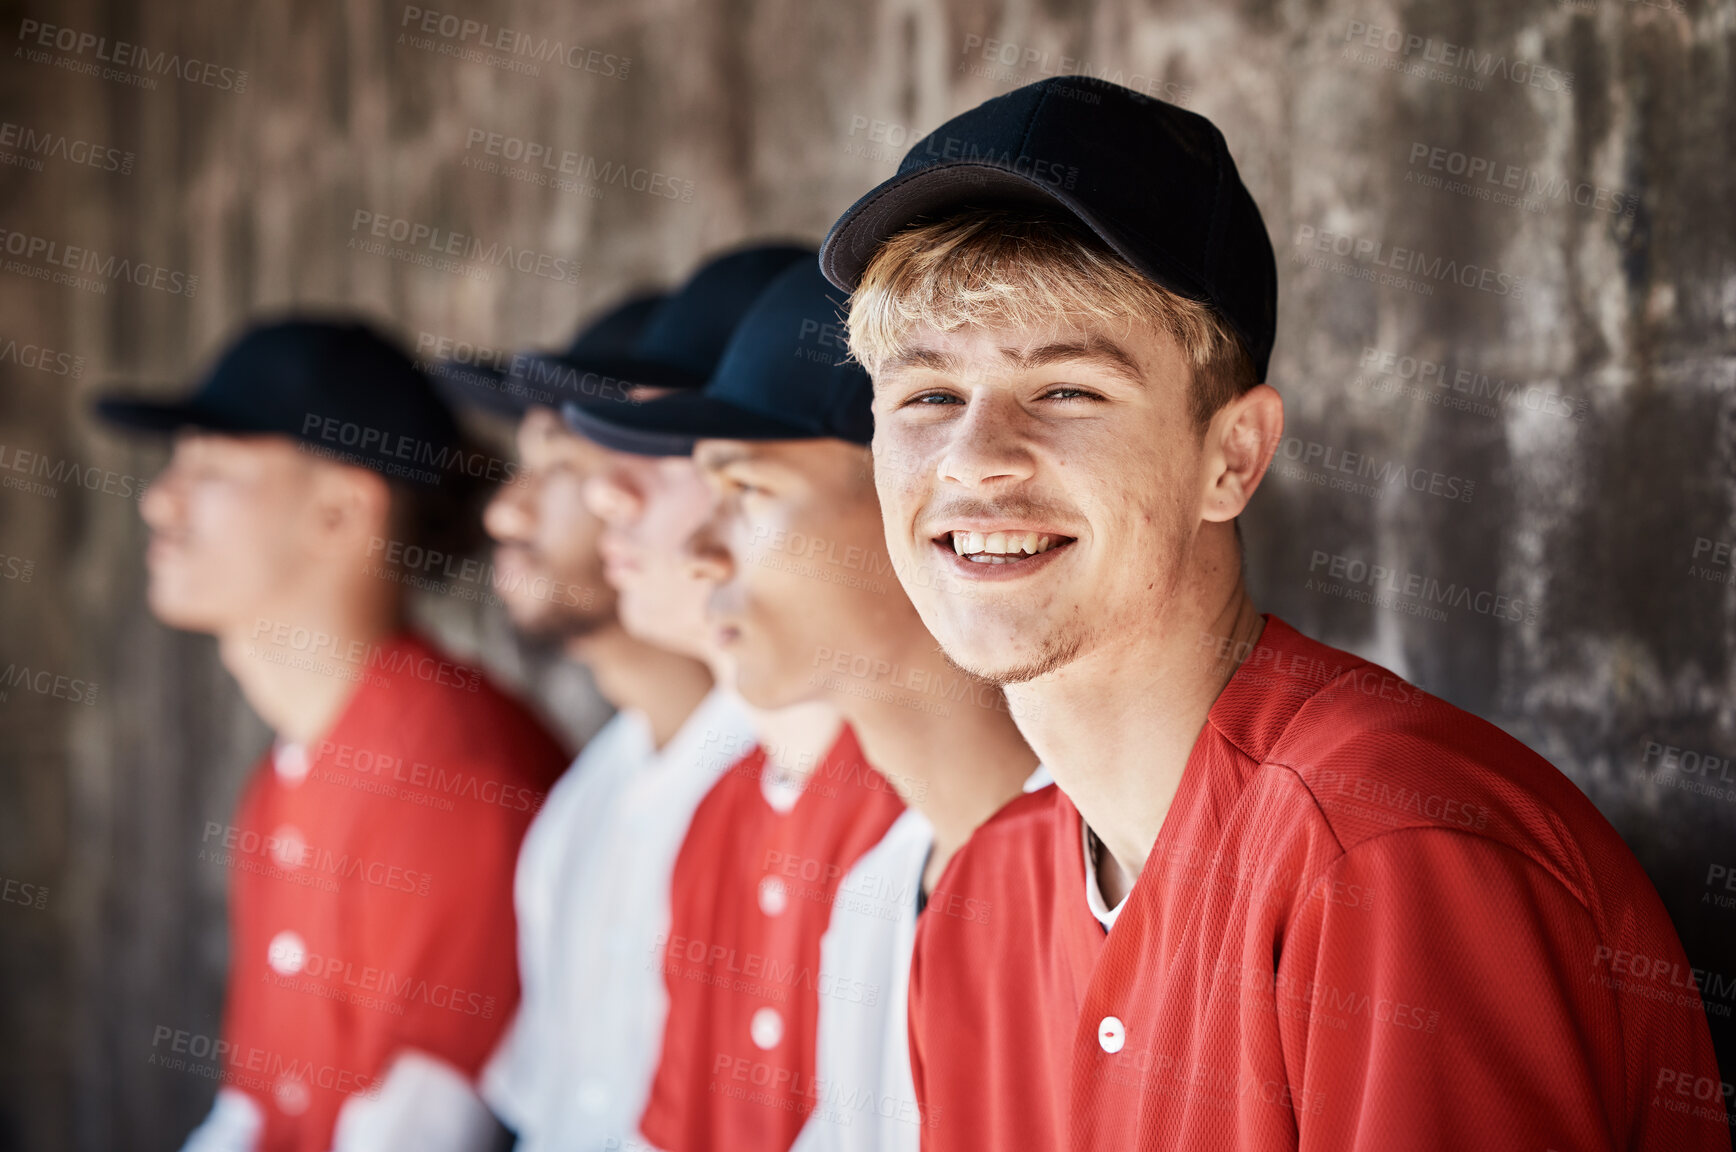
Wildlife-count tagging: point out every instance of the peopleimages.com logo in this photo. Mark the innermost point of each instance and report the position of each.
(446, 250)
(24, 146)
(118, 60)
(1409, 262)
(43, 258)
(446, 34)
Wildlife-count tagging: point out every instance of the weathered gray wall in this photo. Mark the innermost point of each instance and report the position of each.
(771, 117)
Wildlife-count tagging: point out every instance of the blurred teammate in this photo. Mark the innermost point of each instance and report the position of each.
(796, 900)
(593, 879)
(372, 965)
(1282, 899)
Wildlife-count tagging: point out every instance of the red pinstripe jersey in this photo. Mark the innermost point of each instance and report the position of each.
(371, 898)
(752, 896)
(1371, 921)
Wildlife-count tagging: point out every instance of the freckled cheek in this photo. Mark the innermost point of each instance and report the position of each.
(902, 482)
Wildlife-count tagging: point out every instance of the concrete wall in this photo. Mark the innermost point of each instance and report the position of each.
(1568, 447)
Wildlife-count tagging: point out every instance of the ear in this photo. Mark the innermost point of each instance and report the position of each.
(1240, 443)
(351, 506)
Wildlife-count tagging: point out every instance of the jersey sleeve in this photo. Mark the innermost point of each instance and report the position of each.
(1450, 995)
(448, 947)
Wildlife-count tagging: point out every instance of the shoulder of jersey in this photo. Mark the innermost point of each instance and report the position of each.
(1380, 755)
(456, 713)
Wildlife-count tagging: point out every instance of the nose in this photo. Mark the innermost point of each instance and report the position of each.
(611, 496)
(987, 444)
(511, 513)
(160, 506)
(706, 554)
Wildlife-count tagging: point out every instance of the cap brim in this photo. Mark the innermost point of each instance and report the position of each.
(474, 386)
(633, 371)
(551, 379)
(161, 417)
(670, 425)
(938, 190)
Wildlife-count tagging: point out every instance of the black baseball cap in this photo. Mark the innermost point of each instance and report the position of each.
(784, 376)
(677, 340)
(528, 379)
(1154, 182)
(334, 383)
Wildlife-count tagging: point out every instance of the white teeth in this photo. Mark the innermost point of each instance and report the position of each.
(996, 547)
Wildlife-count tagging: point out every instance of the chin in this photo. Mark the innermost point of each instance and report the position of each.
(1013, 663)
(532, 618)
(185, 619)
(540, 620)
(767, 692)
(180, 607)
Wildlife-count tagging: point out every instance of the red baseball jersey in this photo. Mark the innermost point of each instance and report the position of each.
(1370, 922)
(371, 889)
(751, 898)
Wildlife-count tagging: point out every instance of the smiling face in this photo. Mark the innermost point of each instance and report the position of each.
(1055, 476)
(1064, 440)
(798, 559)
(547, 568)
(650, 506)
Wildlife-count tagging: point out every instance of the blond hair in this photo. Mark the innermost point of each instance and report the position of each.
(1025, 270)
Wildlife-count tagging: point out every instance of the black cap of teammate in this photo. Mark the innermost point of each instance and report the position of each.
(672, 343)
(784, 376)
(1155, 182)
(334, 383)
(528, 379)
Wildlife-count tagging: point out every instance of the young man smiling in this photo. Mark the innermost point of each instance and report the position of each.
(823, 877)
(1281, 899)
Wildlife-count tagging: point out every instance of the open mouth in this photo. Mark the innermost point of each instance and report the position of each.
(999, 548)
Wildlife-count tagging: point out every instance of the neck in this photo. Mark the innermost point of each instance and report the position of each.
(665, 686)
(944, 740)
(797, 738)
(297, 666)
(1117, 725)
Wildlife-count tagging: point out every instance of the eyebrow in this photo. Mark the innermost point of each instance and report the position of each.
(716, 459)
(1098, 350)
(929, 358)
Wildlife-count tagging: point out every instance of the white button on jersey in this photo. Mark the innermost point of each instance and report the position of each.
(773, 896)
(1111, 1034)
(290, 762)
(292, 1096)
(767, 1028)
(288, 846)
(780, 791)
(287, 953)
